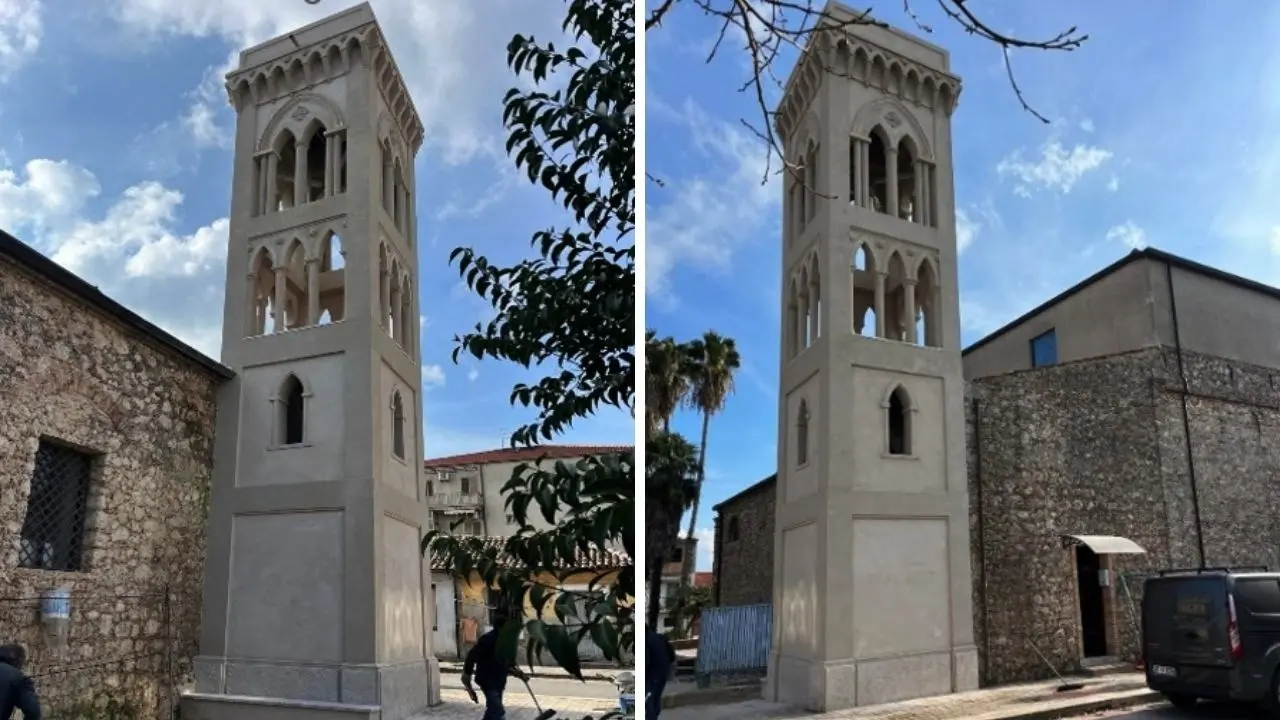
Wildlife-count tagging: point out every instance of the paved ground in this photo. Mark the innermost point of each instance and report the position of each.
(561, 687)
(519, 707)
(1003, 703)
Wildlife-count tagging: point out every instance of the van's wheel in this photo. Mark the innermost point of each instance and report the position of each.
(1181, 701)
(1270, 705)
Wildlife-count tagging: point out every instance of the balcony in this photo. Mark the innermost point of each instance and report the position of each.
(463, 502)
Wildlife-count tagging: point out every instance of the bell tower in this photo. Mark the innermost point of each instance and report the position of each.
(315, 588)
(871, 581)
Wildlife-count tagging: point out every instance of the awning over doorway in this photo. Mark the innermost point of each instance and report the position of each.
(1106, 544)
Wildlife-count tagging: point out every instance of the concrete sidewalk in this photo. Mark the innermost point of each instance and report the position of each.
(1030, 701)
(598, 674)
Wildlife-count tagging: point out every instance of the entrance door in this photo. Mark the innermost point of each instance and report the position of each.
(1093, 624)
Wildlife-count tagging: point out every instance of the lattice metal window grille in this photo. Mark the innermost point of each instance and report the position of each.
(54, 527)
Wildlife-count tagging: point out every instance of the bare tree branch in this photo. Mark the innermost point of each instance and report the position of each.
(770, 26)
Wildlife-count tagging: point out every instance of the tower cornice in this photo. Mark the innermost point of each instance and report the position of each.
(299, 71)
(845, 51)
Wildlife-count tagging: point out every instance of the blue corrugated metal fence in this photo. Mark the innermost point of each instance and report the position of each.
(733, 639)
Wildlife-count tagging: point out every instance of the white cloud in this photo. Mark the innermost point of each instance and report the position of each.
(703, 220)
(472, 374)
(1086, 125)
(432, 376)
(1057, 169)
(1113, 184)
(137, 237)
(706, 548)
(452, 54)
(20, 33)
(966, 230)
(1129, 235)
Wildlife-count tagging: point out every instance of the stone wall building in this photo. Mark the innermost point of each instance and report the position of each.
(106, 432)
(743, 556)
(1125, 426)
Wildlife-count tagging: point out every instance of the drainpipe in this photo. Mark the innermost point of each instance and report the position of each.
(982, 536)
(1186, 418)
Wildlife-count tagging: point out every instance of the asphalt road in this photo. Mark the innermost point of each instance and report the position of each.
(1165, 711)
(551, 687)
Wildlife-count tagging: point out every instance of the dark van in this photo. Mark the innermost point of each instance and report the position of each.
(1213, 634)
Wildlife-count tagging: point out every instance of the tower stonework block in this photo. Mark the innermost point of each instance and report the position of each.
(316, 598)
(872, 582)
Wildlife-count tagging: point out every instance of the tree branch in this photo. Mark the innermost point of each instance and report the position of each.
(769, 26)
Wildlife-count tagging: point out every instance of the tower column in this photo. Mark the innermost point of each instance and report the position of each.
(313, 291)
(299, 175)
(330, 164)
(272, 168)
(891, 174)
(928, 195)
(881, 278)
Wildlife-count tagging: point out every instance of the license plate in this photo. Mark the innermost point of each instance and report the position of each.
(1164, 671)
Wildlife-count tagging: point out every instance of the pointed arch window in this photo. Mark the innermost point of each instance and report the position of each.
(397, 425)
(292, 411)
(802, 435)
(899, 422)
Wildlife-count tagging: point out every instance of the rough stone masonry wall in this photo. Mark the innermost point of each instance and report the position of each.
(1064, 450)
(744, 568)
(1098, 447)
(71, 374)
(1233, 411)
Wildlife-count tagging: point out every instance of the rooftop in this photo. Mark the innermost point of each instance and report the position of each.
(1149, 253)
(525, 454)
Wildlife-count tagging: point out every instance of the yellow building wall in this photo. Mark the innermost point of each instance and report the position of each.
(471, 590)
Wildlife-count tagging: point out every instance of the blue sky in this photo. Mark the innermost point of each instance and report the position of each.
(1164, 133)
(115, 138)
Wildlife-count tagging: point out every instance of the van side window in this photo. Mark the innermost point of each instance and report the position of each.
(1259, 595)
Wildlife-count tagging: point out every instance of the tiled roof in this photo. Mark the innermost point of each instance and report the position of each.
(525, 454)
(704, 579)
(595, 559)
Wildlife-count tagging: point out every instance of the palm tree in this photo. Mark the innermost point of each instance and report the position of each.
(713, 361)
(670, 469)
(666, 381)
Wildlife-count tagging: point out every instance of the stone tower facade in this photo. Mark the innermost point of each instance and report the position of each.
(872, 581)
(315, 588)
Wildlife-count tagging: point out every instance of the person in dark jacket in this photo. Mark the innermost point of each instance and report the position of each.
(659, 657)
(17, 692)
(490, 671)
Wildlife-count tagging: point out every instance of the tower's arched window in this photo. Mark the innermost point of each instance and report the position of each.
(286, 148)
(333, 280)
(908, 204)
(899, 422)
(292, 411)
(317, 164)
(397, 425)
(864, 292)
(878, 171)
(407, 325)
(802, 434)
